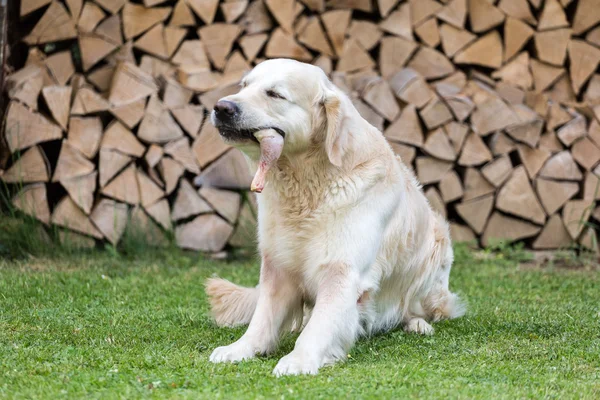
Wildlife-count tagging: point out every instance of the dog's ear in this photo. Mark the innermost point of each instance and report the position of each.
(337, 137)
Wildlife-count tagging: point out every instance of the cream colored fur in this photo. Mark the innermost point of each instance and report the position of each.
(349, 244)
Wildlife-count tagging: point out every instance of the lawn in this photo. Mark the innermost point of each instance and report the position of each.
(110, 325)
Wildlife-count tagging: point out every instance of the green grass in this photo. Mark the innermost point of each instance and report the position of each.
(107, 325)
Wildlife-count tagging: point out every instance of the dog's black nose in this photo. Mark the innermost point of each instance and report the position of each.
(226, 109)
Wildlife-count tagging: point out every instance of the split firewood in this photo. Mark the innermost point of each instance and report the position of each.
(450, 187)
(85, 134)
(474, 152)
(112, 6)
(252, 44)
(584, 59)
(492, 115)
(410, 87)
(431, 170)
(394, 54)
(150, 193)
(124, 187)
(517, 9)
(354, 57)
(399, 22)
(87, 101)
(60, 66)
(575, 215)
(33, 201)
(55, 25)
(586, 153)
(25, 128)
(180, 151)
(516, 35)
(553, 236)
(454, 39)
(435, 113)
(225, 202)
(483, 15)
(210, 98)
(230, 171)
(130, 84)
(553, 16)
(110, 164)
(68, 215)
(407, 128)
(454, 13)
(205, 233)
(188, 203)
(379, 95)
(552, 45)
(25, 85)
(131, 114)
(431, 64)
(435, 200)
(476, 212)
(138, 19)
(366, 33)
(457, 133)
(475, 185)
(407, 153)
(313, 37)
(586, 15)
(90, 17)
(517, 197)
(257, 18)
(232, 10)
(516, 72)
(101, 77)
(171, 171)
(182, 15)
(118, 138)
(110, 30)
(153, 155)
(29, 6)
(503, 228)
(190, 118)
(158, 126)
(71, 163)
(561, 166)
(205, 9)
(462, 234)
(573, 130)
(81, 189)
(498, 170)
(533, 159)
(554, 194)
(218, 39)
(485, 51)
(110, 217)
(161, 213)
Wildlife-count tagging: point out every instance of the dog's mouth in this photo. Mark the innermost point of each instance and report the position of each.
(244, 135)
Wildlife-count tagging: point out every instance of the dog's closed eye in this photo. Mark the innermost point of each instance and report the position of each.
(273, 94)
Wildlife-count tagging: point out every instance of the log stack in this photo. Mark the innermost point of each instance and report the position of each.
(494, 104)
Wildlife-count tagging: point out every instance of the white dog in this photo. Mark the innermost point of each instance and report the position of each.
(345, 232)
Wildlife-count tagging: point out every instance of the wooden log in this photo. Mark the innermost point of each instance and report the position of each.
(161, 41)
(492, 115)
(454, 13)
(431, 64)
(553, 16)
(90, 17)
(150, 193)
(561, 166)
(533, 159)
(438, 145)
(544, 75)
(586, 153)
(25, 128)
(313, 36)
(588, 240)
(476, 212)
(517, 9)
(485, 51)
(282, 45)
(517, 197)
(429, 32)
(72, 240)
(161, 213)
(562, 91)
(205, 9)
(399, 22)
(366, 33)
(507, 229)
(283, 12)
(457, 133)
(554, 194)
(257, 18)
(551, 46)
(54, 26)
(354, 57)
(192, 56)
(117, 137)
(85, 134)
(378, 95)
(528, 132)
(407, 153)
(252, 44)
(586, 15)
(130, 84)
(81, 190)
(25, 85)
(230, 171)
(87, 101)
(205, 233)
(361, 5)
(188, 203)
(573, 130)
(407, 128)
(124, 187)
(110, 30)
(101, 77)
(594, 132)
(483, 16)
(233, 10)
(141, 226)
(516, 35)
(158, 126)
(411, 88)
(368, 113)
(226, 203)
(33, 201)
(325, 63)
(498, 170)
(575, 215)
(71, 163)
(516, 72)
(131, 114)
(218, 40)
(474, 152)
(431, 170)
(461, 233)
(110, 217)
(137, 19)
(68, 215)
(435, 200)
(171, 171)
(455, 39)
(476, 185)
(180, 151)
(60, 66)
(110, 164)
(584, 59)
(420, 10)
(190, 118)
(550, 142)
(182, 14)
(591, 186)
(153, 155)
(553, 236)
(436, 113)
(450, 187)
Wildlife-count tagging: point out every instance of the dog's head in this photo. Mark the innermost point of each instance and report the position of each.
(293, 98)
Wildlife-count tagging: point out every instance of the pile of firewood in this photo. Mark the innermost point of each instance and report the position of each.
(494, 104)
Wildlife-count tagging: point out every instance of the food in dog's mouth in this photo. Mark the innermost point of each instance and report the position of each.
(271, 145)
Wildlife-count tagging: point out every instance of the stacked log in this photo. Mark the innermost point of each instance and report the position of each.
(494, 104)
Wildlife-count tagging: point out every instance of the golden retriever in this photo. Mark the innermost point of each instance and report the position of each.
(349, 244)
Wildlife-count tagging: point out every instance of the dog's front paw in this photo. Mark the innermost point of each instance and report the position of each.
(237, 351)
(418, 325)
(296, 363)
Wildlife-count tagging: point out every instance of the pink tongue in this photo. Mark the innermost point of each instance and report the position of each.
(271, 145)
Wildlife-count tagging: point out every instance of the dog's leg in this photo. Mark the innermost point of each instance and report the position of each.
(278, 299)
(333, 325)
(418, 325)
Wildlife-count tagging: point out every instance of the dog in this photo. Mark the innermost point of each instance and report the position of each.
(349, 244)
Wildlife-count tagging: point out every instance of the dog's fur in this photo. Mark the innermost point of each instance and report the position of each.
(348, 242)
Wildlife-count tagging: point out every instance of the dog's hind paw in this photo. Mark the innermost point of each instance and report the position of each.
(237, 351)
(296, 363)
(418, 325)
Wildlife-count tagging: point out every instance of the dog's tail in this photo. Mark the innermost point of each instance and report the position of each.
(231, 305)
